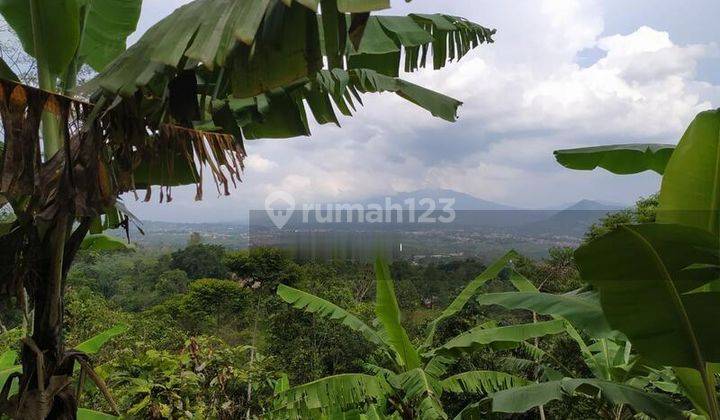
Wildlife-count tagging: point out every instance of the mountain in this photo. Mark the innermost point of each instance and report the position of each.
(591, 205)
(462, 201)
(573, 220)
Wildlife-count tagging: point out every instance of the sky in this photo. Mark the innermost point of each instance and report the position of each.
(561, 74)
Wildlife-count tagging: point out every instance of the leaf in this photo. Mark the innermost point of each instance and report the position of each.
(87, 414)
(417, 383)
(7, 360)
(479, 337)
(386, 38)
(100, 242)
(693, 388)
(481, 382)
(423, 391)
(519, 400)
(690, 191)
(639, 272)
(388, 313)
(94, 344)
(106, 28)
(582, 310)
(468, 292)
(315, 305)
(618, 158)
(273, 43)
(282, 384)
(7, 74)
(5, 374)
(346, 391)
(359, 6)
(59, 26)
(521, 283)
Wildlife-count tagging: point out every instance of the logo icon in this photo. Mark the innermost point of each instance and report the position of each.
(279, 207)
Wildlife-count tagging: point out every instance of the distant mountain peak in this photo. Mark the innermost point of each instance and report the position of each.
(463, 201)
(586, 204)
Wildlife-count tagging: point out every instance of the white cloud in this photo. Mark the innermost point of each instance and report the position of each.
(525, 96)
(257, 163)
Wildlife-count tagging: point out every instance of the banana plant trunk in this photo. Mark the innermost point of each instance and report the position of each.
(45, 384)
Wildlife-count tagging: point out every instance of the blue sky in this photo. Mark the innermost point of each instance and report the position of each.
(562, 73)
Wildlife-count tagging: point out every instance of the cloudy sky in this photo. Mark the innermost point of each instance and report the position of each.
(562, 73)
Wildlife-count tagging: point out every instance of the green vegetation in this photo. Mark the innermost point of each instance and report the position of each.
(180, 101)
(622, 327)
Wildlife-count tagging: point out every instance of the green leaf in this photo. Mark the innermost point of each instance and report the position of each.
(519, 400)
(692, 387)
(359, 6)
(107, 26)
(7, 74)
(468, 292)
(482, 382)
(5, 374)
(94, 344)
(344, 392)
(100, 242)
(388, 313)
(59, 25)
(521, 283)
(689, 194)
(417, 383)
(7, 360)
(582, 310)
(87, 414)
(479, 336)
(640, 273)
(524, 398)
(313, 304)
(618, 158)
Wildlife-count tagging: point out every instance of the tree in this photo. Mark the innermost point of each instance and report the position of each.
(180, 100)
(200, 261)
(658, 281)
(407, 380)
(410, 380)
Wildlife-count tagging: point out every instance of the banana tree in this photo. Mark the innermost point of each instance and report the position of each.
(9, 371)
(410, 379)
(620, 376)
(658, 282)
(180, 101)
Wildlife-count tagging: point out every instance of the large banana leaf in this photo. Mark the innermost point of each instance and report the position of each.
(96, 29)
(468, 292)
(101, 242)
(58, 26)
(388, 313)
(385, 38)
(94, 344)
(582, 310)
(690, 192)
(522, 399)
(283, 114)
(501, 336)
(264, 44)
(618, 158)
(359, 6)
(643, 278)
(313, 304)
(418, 385)
(107, 25)
(482, 382)
(340, 392)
